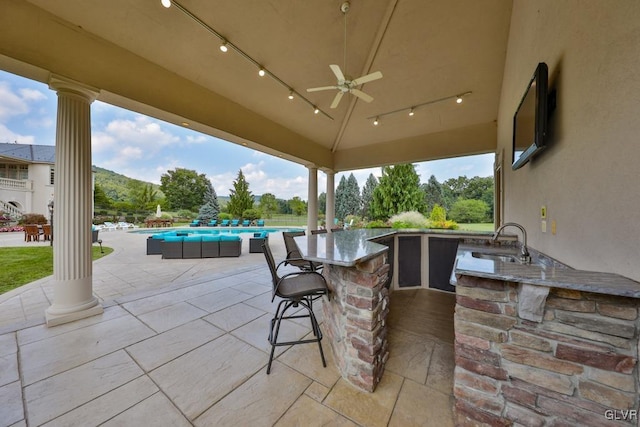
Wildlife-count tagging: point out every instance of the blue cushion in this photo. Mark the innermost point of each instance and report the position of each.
(211, 238)
(159, 236)
(229, 237)
(264, 234)
(195, 238)
(173, 239)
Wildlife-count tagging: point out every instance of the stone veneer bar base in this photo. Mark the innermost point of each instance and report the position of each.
(355, 320)
(576, 366)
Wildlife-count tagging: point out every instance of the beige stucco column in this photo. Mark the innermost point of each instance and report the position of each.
(312, 199)
(331, 199)
(73, 200)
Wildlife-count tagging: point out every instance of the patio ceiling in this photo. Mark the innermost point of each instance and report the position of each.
(159, 62)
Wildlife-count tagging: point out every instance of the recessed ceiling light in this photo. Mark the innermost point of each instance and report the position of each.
(166, 3)
(459, 100)
(261, 72)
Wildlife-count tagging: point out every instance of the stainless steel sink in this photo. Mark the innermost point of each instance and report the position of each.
(496, 257)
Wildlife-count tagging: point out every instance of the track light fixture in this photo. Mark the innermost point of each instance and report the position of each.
(225, 45)
(413, 108)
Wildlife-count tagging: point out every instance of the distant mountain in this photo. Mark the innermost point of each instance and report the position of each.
(116, 186)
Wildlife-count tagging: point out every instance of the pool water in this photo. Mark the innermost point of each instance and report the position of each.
(222, 230)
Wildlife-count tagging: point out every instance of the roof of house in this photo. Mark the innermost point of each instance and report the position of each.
(28, 153)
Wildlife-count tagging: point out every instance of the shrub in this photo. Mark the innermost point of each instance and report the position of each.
(377, 224)
(186, 214)
(224, 215)
(32, 218)
(469, 211)
(438, 214)
(357, 221)
(252, 214)
(410, 219)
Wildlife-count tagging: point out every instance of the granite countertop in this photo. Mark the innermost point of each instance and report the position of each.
(345, 248)
(540, 273)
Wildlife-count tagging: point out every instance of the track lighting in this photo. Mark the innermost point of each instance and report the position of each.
(226, 45)
(412, 109)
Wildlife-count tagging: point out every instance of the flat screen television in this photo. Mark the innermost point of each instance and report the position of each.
(530, 119)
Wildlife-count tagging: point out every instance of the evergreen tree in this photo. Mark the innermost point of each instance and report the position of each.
(433, 194)
(210, 208)
(367, 195)
(347, 197)
(240, 198)
(398, 191)
(100, 198)
(322, 203)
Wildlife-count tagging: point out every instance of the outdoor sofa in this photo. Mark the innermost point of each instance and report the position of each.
(173, 246)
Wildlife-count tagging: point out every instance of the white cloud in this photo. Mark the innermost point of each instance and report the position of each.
(7, 135)
(11, 104)
(32, 94)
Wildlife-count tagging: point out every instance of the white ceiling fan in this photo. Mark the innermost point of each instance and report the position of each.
(345, 83)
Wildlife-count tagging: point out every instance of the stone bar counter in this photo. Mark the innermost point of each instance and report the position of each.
(356, 271)
(543, 344)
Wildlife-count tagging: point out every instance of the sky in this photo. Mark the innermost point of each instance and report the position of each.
(144, 148)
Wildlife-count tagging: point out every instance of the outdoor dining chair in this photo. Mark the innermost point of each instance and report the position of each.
(295, 289)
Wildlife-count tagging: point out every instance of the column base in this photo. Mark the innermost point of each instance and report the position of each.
(54, 319)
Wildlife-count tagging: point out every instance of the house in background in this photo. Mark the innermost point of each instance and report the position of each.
(26, 178)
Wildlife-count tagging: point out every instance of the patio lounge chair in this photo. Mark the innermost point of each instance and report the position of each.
(126, 225)
(224, 223)
(235, 222)
(109, 226)
(260, 223)
(294, 257)
(213, 223)
(246, 223)
(195, 223)
(295, 290)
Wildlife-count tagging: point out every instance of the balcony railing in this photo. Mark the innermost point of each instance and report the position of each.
(16, 184)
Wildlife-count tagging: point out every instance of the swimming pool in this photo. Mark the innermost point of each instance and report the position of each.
(223, 230)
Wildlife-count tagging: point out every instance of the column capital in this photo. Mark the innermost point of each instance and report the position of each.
(72, 87)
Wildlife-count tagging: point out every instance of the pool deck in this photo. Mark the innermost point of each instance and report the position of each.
(184, 342)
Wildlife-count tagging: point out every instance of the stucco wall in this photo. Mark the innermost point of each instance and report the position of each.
(588, 177)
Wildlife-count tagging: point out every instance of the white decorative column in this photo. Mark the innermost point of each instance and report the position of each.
(312, 199)
(331, 199)
(73, 201)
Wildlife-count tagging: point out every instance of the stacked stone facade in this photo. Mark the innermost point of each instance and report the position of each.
(355, 320)
(576, 366)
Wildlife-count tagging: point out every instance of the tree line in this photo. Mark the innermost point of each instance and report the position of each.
(465, 200)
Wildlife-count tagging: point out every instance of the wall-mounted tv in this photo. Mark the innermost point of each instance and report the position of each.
(530, 119)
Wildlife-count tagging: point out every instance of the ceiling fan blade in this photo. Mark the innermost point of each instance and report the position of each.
(360, 94)
(368, 78)
(316, 89)
(337, 71)
(337, 99)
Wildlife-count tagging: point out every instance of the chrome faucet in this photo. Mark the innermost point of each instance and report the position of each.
(524, 252)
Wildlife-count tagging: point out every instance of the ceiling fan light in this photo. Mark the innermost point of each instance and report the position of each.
(459, 99)
(166, 3)
(223, 47)
(261, 72)
(411, 113)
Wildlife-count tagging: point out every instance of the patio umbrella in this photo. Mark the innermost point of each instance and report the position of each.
(158, 212)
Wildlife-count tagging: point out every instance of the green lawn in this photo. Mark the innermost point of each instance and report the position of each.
(478, 227)
(22, 265)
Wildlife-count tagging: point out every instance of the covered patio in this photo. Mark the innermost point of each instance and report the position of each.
(184, 342)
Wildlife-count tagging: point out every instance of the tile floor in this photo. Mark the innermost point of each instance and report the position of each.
(193, 351)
